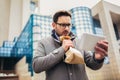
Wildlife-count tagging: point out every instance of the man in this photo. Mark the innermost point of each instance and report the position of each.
(50, 53)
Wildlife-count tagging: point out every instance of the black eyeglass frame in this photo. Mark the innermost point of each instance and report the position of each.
(64, 24)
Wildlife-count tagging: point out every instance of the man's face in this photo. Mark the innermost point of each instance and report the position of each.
(62, 26)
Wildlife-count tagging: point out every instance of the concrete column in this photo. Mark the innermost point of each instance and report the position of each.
(4, 20)
(25, 12)
(15, 21)
(19, 15)
(103, 11)
(108, 30)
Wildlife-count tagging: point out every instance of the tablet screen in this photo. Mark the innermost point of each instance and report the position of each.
(88, 41)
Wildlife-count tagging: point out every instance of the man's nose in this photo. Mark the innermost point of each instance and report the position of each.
(67, 27)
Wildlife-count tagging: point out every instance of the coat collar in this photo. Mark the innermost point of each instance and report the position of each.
(56, 37)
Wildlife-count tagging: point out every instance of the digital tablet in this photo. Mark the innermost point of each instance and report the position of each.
(88, 41)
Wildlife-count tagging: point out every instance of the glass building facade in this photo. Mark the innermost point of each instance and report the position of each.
(82, 20)
(41, 28)
(97, 27)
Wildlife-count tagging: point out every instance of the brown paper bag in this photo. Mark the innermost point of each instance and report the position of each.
(73, 56)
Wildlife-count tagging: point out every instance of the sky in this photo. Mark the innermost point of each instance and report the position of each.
(49, 7)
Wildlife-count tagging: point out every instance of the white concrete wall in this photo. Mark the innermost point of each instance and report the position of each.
(25, 12)
(4, 20)
(110, 71)
(19, 15)
(14, 15)
(15, 18)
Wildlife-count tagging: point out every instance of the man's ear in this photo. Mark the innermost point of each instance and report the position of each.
(53, 25)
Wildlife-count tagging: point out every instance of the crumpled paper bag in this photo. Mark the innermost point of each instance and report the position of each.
(74, 56)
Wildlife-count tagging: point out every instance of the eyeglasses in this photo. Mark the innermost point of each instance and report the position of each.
(64, 25)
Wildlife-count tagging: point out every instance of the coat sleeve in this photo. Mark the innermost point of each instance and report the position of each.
(91, 62)
(88, 58)
(42, 62)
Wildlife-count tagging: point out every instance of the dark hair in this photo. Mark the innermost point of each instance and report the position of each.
(59, 14)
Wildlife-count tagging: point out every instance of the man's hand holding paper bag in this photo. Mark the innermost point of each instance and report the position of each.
(73, 56)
